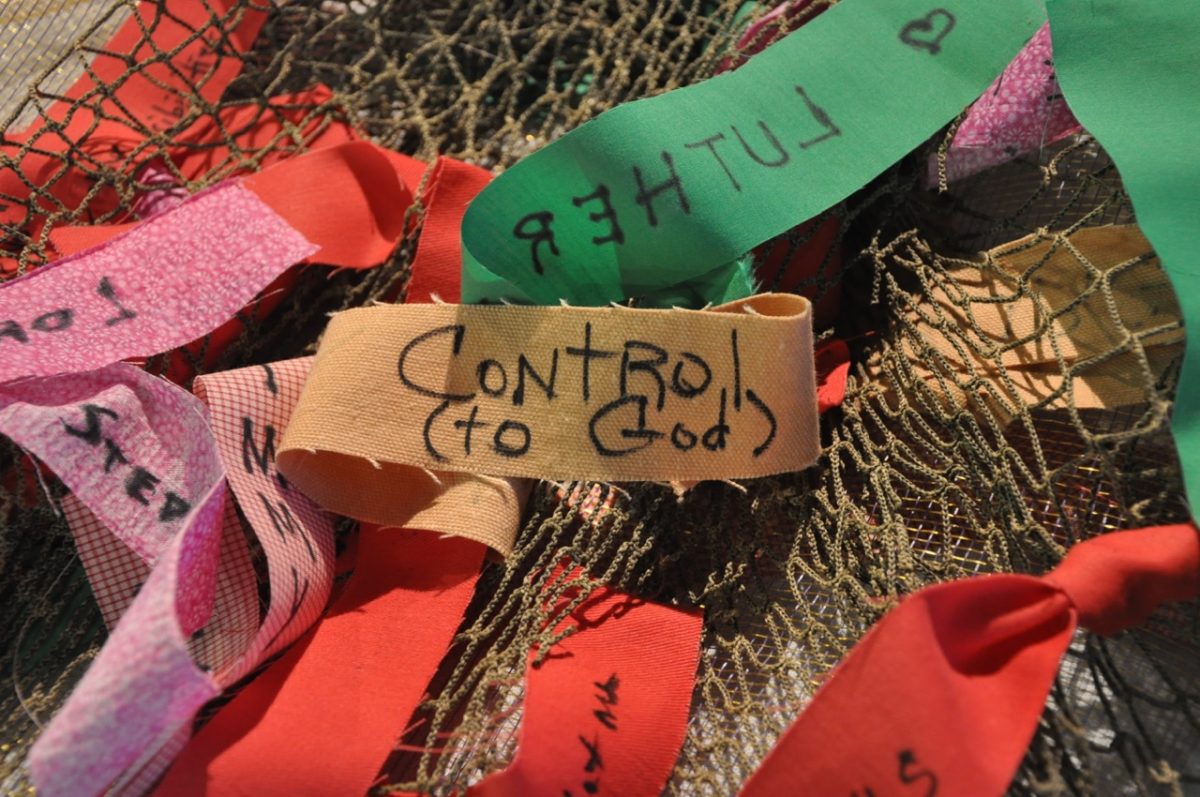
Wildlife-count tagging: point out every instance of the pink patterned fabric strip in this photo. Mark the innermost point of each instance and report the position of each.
(1021, 111)
(138, 294)
(96, 428)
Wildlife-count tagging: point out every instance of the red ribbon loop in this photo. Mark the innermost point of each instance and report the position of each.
(971, 659)
(1116, 581)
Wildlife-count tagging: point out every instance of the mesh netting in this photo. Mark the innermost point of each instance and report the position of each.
(962, 446)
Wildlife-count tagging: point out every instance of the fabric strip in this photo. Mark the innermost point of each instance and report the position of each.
(452, 185)
(144, 685)
(137, 295)
(659, 192)
(355, 185)
(1129, 73)
(606, 709)
(323, 718)
(138, 455)
(248, 409)
(971, 659)
(1023, 110)
(562, 392)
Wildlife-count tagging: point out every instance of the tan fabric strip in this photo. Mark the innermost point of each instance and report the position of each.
(553, 392)
(1061, 330)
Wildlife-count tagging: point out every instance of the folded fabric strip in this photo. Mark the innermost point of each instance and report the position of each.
(560, 392)
(606, 708)
(364, 186)
(144, 686)
(652, 196)
(248, 409)
(136, 294)
(971, 659)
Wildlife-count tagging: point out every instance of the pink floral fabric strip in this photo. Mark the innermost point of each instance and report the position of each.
(140, 293)
(1021, 111)
(117, 439)
(109, 431)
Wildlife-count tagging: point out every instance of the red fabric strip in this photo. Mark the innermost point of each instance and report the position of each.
(453, 184)
(969, 660)
(833, 368)
(348, 199)
(141, 103)
(606, 711)
(321, 719)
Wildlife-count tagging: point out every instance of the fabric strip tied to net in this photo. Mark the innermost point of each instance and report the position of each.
(900, 296)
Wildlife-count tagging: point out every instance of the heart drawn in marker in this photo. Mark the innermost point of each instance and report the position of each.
(927, 32)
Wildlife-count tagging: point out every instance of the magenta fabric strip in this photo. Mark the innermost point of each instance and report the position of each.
(105, 429)
(1023, 110)
(163, 283)
(138, 452)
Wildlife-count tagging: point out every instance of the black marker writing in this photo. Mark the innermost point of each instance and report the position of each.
(107, 292)
(910, 772)
(62, 319)
(540, 233)
(593, 763)
(646, 195)
(140, 484)
(781, 155)
(927, 32)
(710, 144)
(646, 379)
(609, 215)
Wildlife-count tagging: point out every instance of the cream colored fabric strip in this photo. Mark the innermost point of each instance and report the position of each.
(551, 392)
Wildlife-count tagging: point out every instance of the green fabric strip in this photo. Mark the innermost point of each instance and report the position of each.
(654, 197)
(1131, 74)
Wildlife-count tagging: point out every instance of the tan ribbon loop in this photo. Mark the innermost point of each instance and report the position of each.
(398, 392)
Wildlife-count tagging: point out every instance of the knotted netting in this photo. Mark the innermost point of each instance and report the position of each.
(1014, 365)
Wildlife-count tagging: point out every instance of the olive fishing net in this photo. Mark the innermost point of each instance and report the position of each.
(1013, 368)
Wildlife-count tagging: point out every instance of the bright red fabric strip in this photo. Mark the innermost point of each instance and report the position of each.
(453, 184)
(346, 199)
(606, 711)
(943, 695)
(323, 717)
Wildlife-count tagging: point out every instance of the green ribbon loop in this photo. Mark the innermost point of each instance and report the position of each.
(658, 199)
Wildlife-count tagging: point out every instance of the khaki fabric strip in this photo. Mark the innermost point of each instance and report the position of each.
(400, 391)
(1093, 304)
